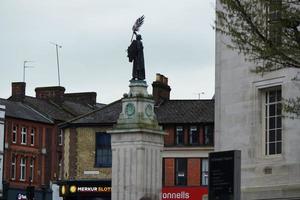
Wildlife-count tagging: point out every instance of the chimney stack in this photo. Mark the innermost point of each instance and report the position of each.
(161, 89)
(18, 91)
(83, 97)
(54, 93)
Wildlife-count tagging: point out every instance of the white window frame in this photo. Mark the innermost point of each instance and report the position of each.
(265, 123)
(14, 134)
(23, 135)
(22, 167)
(13, 167)
(32, 136)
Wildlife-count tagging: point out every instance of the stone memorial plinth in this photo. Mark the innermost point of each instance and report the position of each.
(137, 143)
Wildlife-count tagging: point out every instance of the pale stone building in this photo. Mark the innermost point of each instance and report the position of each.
(248, 117)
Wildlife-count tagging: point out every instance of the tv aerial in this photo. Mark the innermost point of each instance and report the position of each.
(57, 60)
(25, 67)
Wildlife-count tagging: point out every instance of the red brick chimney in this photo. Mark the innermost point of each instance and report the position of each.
(54, 93)
(18, 91)
(161, 89)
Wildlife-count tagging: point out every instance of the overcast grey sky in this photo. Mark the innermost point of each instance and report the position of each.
(177, 35)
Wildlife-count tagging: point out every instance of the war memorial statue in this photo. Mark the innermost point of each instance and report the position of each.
(135, 52)
(137, 138)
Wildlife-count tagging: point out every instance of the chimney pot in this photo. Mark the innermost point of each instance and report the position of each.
(158, 77)
(165, 80)
(161, 89)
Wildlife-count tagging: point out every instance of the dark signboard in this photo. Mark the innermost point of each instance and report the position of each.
(224, 175)
(85, 188)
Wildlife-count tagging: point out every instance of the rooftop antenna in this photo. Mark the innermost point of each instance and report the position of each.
(25, 66)
(199, 94)
(57, 60)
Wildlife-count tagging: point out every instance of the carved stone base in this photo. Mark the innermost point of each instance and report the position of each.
(137, 143)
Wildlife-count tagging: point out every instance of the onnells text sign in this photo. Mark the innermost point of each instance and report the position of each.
(183, 193)
(224, 180)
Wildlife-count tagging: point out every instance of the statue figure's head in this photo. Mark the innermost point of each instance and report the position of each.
(138, 37)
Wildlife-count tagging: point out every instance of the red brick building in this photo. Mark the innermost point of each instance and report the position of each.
(190, 137)
(26, 160)
(33, 142)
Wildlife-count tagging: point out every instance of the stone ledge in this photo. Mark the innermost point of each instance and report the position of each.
(137, 131)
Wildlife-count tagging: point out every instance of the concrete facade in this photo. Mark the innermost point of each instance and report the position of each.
(136, 165)
(2, 117)
(240, 122)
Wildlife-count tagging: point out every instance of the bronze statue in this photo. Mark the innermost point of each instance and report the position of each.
(135, 52)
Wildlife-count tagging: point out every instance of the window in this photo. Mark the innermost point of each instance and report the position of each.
(31, 177)
(181, 171)
(14, 134)
(204, 171)
(273, 121)
(103, 150)
(274, 23)
(13, 167)
(60, 137)
(24, 135)
(32, 133)
(208, 135)
(23, 169)
(179, 135)
(194, 135)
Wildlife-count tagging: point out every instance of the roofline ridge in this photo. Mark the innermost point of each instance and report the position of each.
(37, 112)
(86, 114)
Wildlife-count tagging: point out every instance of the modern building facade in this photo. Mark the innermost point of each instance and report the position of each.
(189, 126)
(249, 117)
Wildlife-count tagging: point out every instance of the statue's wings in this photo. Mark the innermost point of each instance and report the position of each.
(138, 23)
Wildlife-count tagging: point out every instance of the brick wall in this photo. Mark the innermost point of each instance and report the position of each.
(73, 159)
(86, 138)
(193, 172)
(169, 138)
(28, 151)
(80, 153)
(66, 153)
(169, 171)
